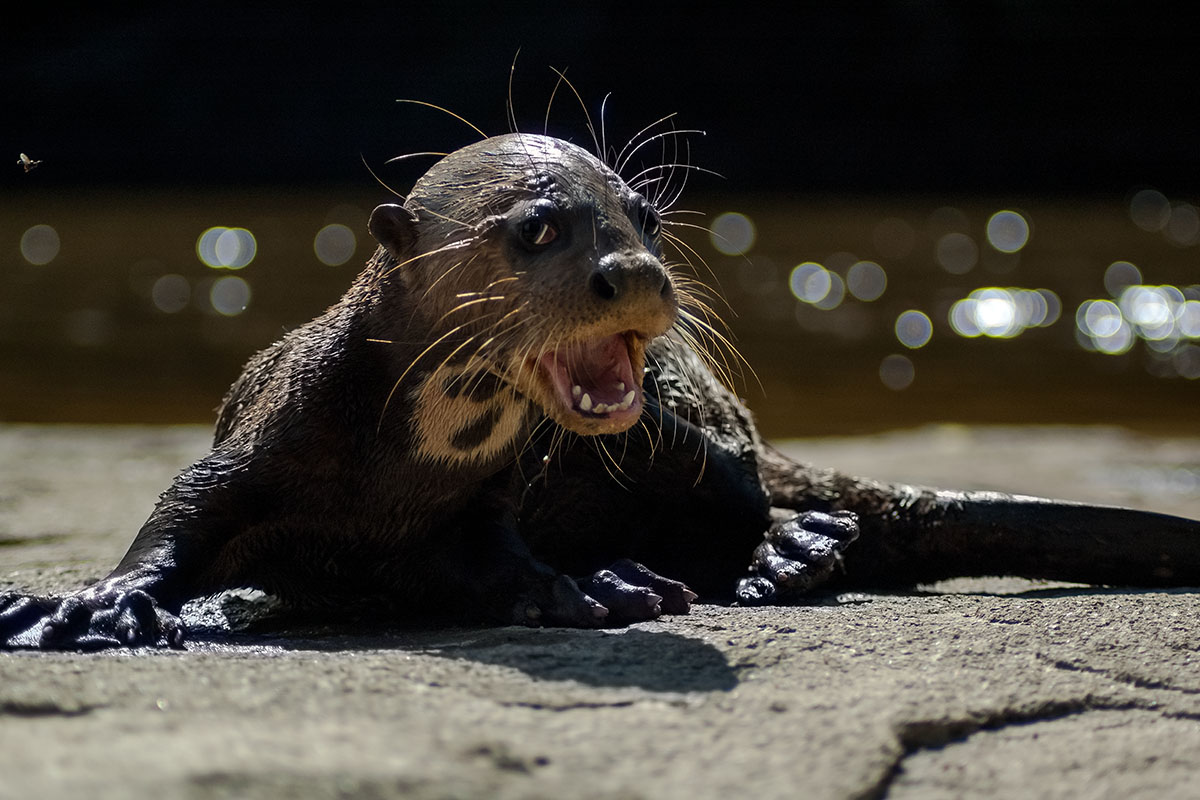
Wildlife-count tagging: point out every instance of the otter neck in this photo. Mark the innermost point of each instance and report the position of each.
(468, 418)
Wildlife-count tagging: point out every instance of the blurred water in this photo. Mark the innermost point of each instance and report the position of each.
(856, 314)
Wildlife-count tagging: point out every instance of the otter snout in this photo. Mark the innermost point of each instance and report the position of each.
(631, 277)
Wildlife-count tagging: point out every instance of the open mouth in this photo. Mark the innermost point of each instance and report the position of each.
(595, 379)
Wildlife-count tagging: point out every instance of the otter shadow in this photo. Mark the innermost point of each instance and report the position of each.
(653, 660)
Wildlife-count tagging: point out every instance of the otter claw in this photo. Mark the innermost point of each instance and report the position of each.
(634, 593)
(626, 592)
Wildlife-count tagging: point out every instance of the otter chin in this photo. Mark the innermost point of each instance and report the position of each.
(593, 385)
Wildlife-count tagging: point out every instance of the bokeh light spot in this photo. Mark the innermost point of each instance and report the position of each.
(334, 244)
(732, 233)
(914, 329)
(1150, 210)
(866, 280)
(1183, 227)
(1104, 326)
(226, 248)
(1146, 306)
(956, 253)
(229, 295)
(996, 313)
(1007, 231)
(40, 245)
(897, 372)
(1186, 361)
(1120, 274)
(171, 293)
(1188, 318)
(834, 295)
(810, 282)
(1004, 313)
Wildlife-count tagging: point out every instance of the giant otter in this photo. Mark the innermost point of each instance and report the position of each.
(507, 418)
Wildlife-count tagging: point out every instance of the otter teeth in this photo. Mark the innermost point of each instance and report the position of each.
(587, 405)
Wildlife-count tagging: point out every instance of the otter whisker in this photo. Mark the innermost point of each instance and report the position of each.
(670, 166)
(512, 112)
(696, 293)
(407, 156)
(605, 460)
(416, 360)
(465, 225)
(641, 186)
(501, 280)
(723, 369)
(686, 251)
(482, 135)
(591, 128)
(378, 179)
(618, 164)
(445, 272)
(656, 137)
(492, 329)
(603, 154)
(468, 304)
(455, 245)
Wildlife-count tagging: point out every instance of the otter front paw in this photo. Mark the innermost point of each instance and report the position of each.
(623, 593)
(90, 620)
(633, 593)
(797, 556)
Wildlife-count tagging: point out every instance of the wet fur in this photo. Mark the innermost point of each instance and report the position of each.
(400, 457)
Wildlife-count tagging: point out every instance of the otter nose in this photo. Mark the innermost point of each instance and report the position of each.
(621, 275)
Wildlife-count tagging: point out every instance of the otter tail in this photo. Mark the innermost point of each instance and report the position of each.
(910, 535)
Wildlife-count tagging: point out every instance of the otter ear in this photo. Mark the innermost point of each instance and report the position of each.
(394, 227)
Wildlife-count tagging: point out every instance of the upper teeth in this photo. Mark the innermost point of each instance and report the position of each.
(586, 404)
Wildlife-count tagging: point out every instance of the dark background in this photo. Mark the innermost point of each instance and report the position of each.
(156, 121)
(880, 97)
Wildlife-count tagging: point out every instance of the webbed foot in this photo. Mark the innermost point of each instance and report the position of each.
(797, 556)
(93, 619)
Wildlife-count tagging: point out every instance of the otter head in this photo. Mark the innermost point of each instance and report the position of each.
(544, 267)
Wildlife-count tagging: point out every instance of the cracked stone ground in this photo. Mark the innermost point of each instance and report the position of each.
(996, 688)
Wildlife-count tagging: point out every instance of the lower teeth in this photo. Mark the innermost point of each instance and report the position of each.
(586, 405)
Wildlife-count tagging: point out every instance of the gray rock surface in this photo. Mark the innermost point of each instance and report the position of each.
(981, 688)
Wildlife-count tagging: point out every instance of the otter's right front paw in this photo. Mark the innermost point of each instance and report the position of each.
(558, 601)
(91, 620)
(797, 556)
(633, 593)
(624, 593)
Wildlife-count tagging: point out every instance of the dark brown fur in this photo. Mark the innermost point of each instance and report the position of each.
(471, 424)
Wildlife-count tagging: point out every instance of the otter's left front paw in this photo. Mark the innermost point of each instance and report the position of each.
(797, 556)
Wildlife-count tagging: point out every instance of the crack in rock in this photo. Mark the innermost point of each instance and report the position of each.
(44, 708)
(916, 735)
(1126, 678)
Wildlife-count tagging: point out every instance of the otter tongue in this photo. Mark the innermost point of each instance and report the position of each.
(595, 376)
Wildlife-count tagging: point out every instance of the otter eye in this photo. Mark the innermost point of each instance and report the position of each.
(648, 218)
(538, 232)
